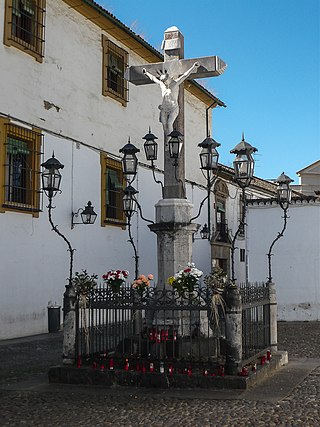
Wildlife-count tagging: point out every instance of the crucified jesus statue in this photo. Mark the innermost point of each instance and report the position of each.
(169, 109)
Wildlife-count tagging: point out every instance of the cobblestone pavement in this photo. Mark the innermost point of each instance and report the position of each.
(87, 406)
(20, 358)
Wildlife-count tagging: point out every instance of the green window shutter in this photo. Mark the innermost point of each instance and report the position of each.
(16, 8)
(29, 6)
(16, 146)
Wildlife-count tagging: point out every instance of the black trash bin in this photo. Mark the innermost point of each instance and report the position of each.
(54, 318)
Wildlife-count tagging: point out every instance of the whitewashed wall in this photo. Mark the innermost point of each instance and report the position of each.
(295, 263)
(34, 260)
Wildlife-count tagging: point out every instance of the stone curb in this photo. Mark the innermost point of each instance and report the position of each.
(110, 378)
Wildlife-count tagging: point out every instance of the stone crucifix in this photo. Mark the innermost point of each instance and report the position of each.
(173, 227)
(170, 76)
(169, 109)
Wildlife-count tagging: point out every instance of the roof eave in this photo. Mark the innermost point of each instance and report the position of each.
(136, 43)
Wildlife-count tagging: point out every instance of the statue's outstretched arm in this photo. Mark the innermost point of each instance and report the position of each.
(187, 73)
(151, 76)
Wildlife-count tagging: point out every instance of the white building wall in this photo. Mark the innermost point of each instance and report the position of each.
(34, 263)
(295, 263)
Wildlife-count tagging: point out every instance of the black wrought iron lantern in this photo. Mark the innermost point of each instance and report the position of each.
(150, 146)
(205, 232)
(175, 144)
(129, 201)
(209, 156)
(129, 160)
(51, 177)
(88, 215)
(243, 163)
(284, 191)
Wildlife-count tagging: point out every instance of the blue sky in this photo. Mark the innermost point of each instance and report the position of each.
(271, 86)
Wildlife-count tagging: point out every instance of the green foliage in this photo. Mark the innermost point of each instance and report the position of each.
(84, 283)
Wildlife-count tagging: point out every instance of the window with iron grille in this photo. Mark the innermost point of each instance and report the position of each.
(112, 192)
(20, 168)
(115, 63)
(24, 26)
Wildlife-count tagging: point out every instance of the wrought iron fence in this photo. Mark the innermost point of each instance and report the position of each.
(255, 320)
(160, 327)
(164, 330)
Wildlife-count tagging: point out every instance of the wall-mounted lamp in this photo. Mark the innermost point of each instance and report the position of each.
(204, 233)
(88, 215)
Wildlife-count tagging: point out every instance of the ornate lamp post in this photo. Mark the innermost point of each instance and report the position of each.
(284, 199)
(51, 179)
(243, 174)
(129, 207)
(129, 166)
(209, 157)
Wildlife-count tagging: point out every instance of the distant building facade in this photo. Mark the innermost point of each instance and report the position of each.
(296, 256)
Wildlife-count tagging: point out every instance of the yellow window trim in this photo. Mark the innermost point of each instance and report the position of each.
(35, 136)
(105, 161)
(106, 90)
(38, 51)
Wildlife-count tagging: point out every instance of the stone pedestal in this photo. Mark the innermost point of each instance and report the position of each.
(69, 326)
(273, 317)
(233, 330)
(174, 237)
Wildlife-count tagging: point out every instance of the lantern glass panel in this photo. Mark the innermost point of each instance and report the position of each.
(209, 158)
(284, 193)
(128, 205)
(243, 167)
(51, 179)
(88, 216)
(174, 148)
(129, 164)
(151, 150)
(205, 159)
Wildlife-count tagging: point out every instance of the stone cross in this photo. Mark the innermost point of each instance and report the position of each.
(170, 75)
(173, 225)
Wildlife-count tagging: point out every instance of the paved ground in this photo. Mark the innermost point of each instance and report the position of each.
(289, 398)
